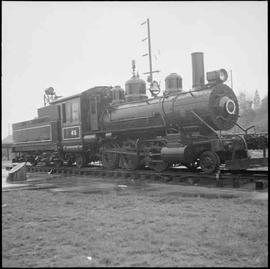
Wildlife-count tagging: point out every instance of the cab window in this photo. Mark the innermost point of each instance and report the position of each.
(64, 113)
(68, 112)
(71, 112)
(75, 111)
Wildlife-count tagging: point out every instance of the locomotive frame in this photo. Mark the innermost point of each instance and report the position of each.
(131, 131)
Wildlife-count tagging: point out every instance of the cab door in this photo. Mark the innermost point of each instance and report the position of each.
(71, 120)
(59, 122)
(93, 113)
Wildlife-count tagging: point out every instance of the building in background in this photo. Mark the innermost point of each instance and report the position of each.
(7, 148)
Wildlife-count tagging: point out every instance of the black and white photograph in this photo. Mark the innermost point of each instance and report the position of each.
(134, 134)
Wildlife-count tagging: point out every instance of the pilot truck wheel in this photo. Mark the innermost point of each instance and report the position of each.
(209, 162)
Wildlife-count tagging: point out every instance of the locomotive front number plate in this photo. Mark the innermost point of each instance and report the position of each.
(71, 132)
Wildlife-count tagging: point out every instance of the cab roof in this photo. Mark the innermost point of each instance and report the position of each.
(62, 99)
(94, 90)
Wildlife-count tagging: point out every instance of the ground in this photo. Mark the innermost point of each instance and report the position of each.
(115, 222)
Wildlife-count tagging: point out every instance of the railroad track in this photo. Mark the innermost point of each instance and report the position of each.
(223, 178)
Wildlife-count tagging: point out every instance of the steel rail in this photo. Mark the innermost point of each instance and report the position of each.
(174, 175)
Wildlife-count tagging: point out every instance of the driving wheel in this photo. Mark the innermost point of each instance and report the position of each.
(130, 161)
(110, 160)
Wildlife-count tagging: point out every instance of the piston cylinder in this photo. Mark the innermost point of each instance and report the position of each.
(173, 155)
(197, 69)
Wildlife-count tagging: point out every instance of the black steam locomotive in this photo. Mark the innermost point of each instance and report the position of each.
(127, 129)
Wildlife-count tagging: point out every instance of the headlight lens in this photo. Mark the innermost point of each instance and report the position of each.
(223, 75)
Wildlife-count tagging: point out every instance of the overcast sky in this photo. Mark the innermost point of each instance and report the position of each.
(73, 46)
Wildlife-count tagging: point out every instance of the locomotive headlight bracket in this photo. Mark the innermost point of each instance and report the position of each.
(218, 76)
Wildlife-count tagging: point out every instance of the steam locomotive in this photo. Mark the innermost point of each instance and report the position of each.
(127, 129)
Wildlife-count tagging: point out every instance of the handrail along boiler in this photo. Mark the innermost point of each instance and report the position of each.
(127, 129)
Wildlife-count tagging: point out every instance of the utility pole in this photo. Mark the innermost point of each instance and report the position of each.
(150, 78)
(149, 50)
(231, 79)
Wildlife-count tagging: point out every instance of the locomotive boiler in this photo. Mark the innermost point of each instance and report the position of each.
(126, 129)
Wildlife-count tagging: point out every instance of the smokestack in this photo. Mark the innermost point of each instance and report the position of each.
(197, 69)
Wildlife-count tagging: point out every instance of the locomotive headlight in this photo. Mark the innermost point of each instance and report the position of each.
(223, 75)
(217, 76)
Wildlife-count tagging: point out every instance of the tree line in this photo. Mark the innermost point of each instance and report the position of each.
(253, 113)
